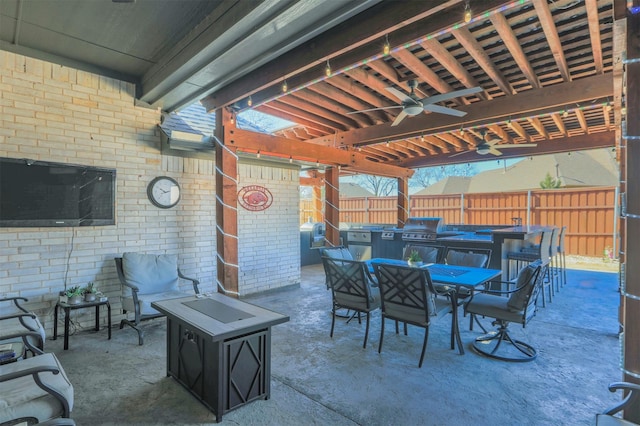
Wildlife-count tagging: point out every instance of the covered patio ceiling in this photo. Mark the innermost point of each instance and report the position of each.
(545, 69)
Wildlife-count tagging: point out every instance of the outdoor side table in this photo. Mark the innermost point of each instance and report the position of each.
(67, 310)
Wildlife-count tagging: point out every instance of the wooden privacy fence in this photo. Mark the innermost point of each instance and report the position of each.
(590, 214)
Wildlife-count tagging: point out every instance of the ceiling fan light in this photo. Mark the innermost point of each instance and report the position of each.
(413, 109)
(483, 149)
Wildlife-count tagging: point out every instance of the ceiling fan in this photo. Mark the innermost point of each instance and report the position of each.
(412, 105)
(489, 147)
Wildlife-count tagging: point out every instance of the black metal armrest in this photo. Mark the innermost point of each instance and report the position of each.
(34, 371)
(194, 281)
(634, 393)
(18, 315)
(16, 300)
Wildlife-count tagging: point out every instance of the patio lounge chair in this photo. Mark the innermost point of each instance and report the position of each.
(147, 278)
(21, 326)
(35, 390)
(608, 417)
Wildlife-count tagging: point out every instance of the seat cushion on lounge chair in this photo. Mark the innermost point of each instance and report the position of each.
(151, 273)
(145, 300)
(22, 397)
(13, 326)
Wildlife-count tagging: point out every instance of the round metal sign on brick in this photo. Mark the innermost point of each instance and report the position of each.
(255, 198)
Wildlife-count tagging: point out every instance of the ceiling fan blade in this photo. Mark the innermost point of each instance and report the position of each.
(460, 153)
(375, 109)
(494, 151)
(399, 118)
(402, 97)
(444, 110)
(451, 95)
(518, 145)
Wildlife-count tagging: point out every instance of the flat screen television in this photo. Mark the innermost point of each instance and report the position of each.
(44, 194)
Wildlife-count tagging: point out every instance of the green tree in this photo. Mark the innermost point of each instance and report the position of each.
(549, 182)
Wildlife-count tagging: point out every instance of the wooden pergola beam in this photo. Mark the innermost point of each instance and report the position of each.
(531, 102)
(245, 140)
(575, 143)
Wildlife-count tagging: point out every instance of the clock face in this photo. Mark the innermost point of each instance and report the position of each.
(164, 192)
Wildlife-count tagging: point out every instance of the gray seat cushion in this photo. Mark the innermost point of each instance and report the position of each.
(13, 326)
(524, 282)
(155, 275)
(22, 397)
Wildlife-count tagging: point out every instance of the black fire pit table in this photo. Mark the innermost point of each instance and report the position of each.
(219, 349)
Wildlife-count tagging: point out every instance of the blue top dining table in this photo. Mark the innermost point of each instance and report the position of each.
(465, 276)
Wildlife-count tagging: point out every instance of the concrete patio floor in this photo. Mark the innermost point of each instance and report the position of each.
(319, 380)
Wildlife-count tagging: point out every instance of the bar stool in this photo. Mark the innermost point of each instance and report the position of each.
(541, 252)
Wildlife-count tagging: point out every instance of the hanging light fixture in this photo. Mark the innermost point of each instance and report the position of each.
(386, 49)
(249, 101)
(290, 159)
(284, 86)
(258, 154)
(467, 11)
(327, 70)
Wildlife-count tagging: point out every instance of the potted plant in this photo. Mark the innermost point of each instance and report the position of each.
(74, 295)
(89, 292)
(414, 258)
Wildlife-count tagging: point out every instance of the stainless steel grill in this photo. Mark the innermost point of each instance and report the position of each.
(421, 229)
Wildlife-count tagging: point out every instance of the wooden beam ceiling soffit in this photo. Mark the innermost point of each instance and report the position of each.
(568, 144)
(268, 144)
(557, 119)
(511, 42)
(471, 45)
(594, 32)
(551, 32)
(424, 73)
(350, 86)
(447, 60)
(547, 100)
(282, 111)
(350, 42)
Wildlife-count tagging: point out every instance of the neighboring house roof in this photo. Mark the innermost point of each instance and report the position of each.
(596, 167)
(195, 119)
(349, 189)
(448, 185)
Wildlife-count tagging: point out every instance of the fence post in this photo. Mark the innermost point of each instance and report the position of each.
(529, 207)
(366, 210)
(615, 221)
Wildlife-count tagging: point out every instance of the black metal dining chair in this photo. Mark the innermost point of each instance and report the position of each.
(519, 307)
(407, 295)
(350, 289)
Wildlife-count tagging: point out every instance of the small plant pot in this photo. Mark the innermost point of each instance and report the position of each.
(89, 297)
(415, 264)
(74, 300)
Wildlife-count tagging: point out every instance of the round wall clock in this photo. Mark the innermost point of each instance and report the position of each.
(163, 192)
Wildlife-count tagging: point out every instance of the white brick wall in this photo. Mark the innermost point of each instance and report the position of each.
(269, 240)
(54, 113)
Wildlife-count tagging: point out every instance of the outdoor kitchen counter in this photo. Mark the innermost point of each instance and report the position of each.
(470, 237)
